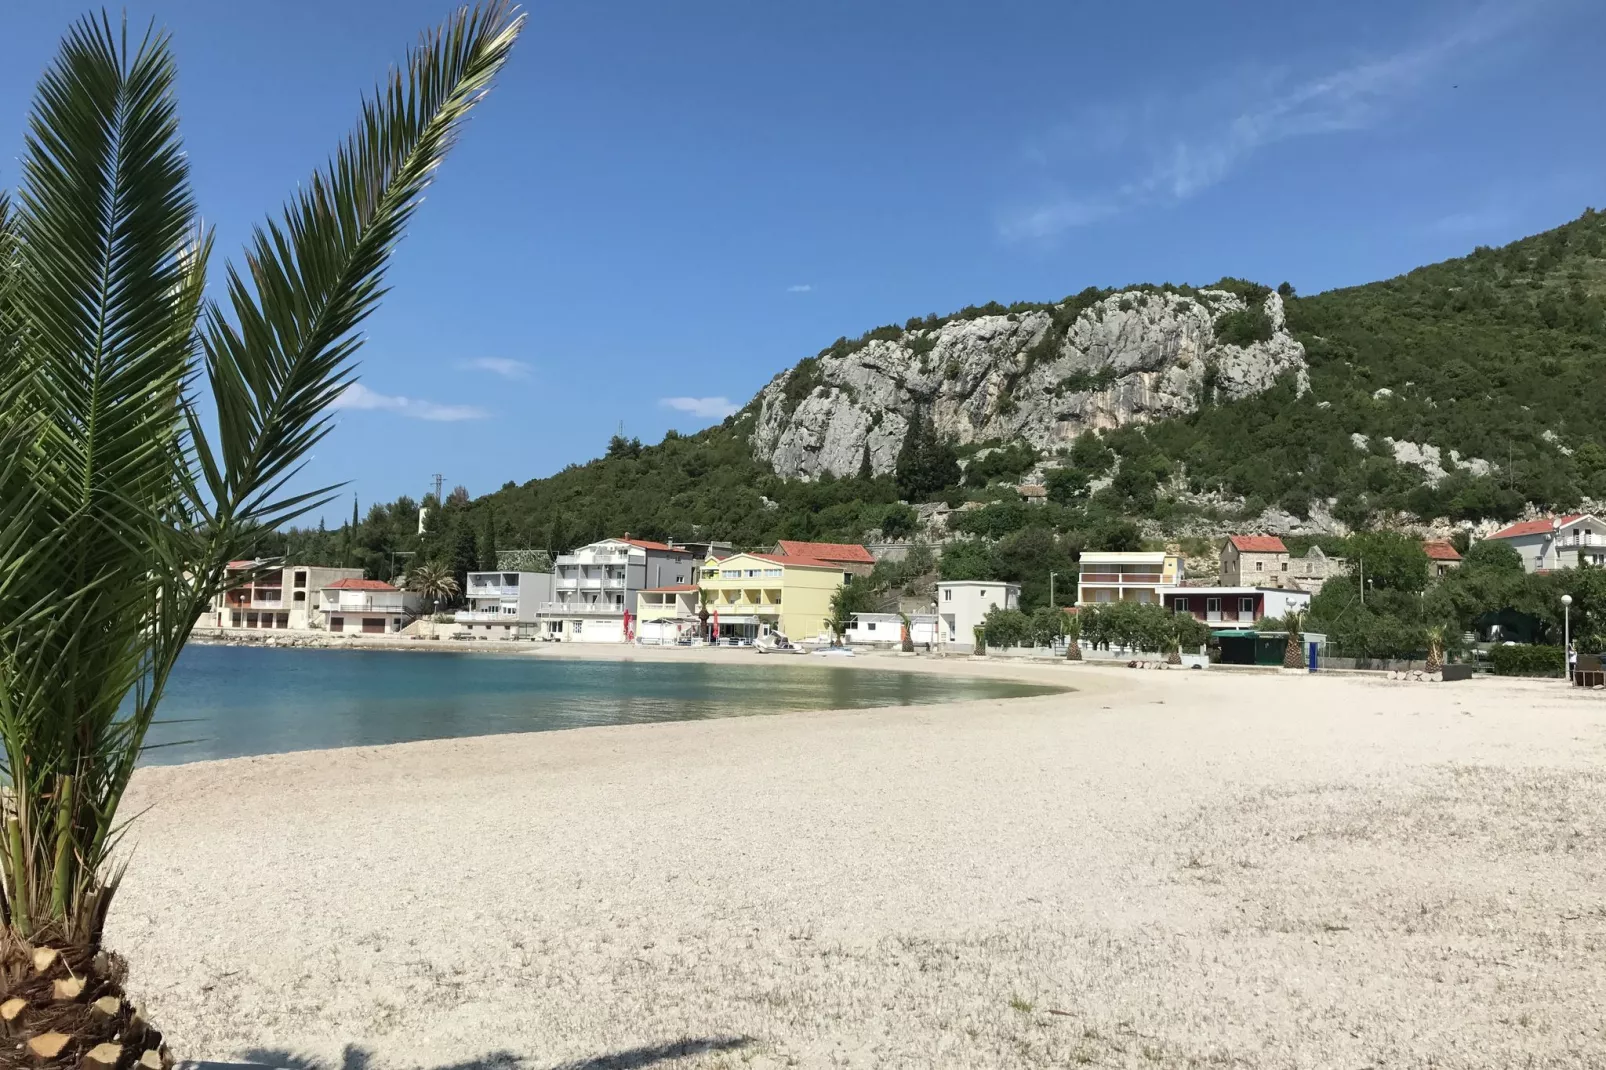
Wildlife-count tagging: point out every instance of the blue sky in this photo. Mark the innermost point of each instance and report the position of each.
(664, 204)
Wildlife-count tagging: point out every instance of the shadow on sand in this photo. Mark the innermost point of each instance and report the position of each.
(355, 1058)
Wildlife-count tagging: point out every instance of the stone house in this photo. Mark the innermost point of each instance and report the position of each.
(1254, 561)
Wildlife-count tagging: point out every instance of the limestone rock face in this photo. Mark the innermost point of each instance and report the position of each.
(1132, 357)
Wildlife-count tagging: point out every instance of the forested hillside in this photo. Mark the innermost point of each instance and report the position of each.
(1496, 356)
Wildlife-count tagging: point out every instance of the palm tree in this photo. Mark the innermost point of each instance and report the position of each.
(1073, 635)
(433, 580)
(121, 503)
(906, 637)
(1294, 649)
(1435, 638)
(704, 598)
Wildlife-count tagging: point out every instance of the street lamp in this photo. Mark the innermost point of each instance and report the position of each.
(1567, 634)
(1052, 604)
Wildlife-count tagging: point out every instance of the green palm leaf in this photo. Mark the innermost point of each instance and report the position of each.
(117, 513)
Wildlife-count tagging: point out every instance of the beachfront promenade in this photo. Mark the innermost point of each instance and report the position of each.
(1160, 869)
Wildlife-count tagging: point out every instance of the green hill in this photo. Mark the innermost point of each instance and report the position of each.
(1496, 356)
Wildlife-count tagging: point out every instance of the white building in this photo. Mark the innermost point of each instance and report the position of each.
(595, 586)
(1557, 542)
(366, 607)
(504, 605)
(964, 604)
(274, 596)
(886, 629)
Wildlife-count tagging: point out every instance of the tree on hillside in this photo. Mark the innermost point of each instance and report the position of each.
(925, 465)
(487, 546)
(148, 426)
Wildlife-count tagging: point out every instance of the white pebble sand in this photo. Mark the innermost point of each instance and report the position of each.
(1162, 869)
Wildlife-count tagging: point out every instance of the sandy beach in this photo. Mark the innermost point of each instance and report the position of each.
(1159, 869)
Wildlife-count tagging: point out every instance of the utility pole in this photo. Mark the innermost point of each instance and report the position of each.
(1361, 564)
(438, 479)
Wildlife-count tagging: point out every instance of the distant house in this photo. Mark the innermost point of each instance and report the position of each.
(1557, 542)
(667, 613)
(1127, 576)
(504, 605)
(854, 559)
(763, 594)
(1308, 573)
(963, 604)
(1032, 493)
(1255, 561)
(1232, 607)
(1442, 557)
(886, 629)
(277, 596)
(596, 587)
(366, 607)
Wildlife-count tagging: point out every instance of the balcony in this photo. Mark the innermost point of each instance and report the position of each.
(360, 603)
(593, 559)
(613, 583)
(580, 609)
(485, 616)
(1149, 579)
(491, 590)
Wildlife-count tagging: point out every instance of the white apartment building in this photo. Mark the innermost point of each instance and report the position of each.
(594, 587)
(964, 604)
(504, 605)
(1557, 542)
(264, 595)
(1126, 576)
(366, 607)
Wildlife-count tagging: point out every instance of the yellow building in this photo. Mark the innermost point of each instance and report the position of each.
(759, 593)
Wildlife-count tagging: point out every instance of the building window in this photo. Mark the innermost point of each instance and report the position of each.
(1213, 605)
(1181, 606)
(234, 618)
(300, 580)
(847, 578)
(337, 624)
(301, 596)
(947, 595)
(984, 592)
(869, 627)
(1246, 607)
(1260, 566)
(574, 627)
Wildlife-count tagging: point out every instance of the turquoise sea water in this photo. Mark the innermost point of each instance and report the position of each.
(235, 701)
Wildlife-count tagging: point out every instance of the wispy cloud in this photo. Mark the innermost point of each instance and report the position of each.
(801, 288)
(357, 396)
(507, 369)
(1165, 165)
(704, 408)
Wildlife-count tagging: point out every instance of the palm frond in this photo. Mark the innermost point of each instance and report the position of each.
(287, 353)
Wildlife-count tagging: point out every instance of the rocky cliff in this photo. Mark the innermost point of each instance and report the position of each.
(1042, 376)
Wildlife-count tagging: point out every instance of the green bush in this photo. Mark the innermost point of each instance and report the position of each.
(1244, 326)
(1006, 628)
(1527, 660)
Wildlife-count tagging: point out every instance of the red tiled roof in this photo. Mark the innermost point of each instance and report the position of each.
(827, 551)
(791, 559)
(1258, 544)
(358, 585)
(678, 588)
(237, 565)
(1440, 550)
(1534, 527)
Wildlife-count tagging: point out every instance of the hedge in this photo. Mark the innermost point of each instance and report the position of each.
(1527, 660)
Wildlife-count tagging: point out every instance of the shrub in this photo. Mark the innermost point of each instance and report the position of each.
(1244, 326)
(1528, 660)
(1006, 627)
